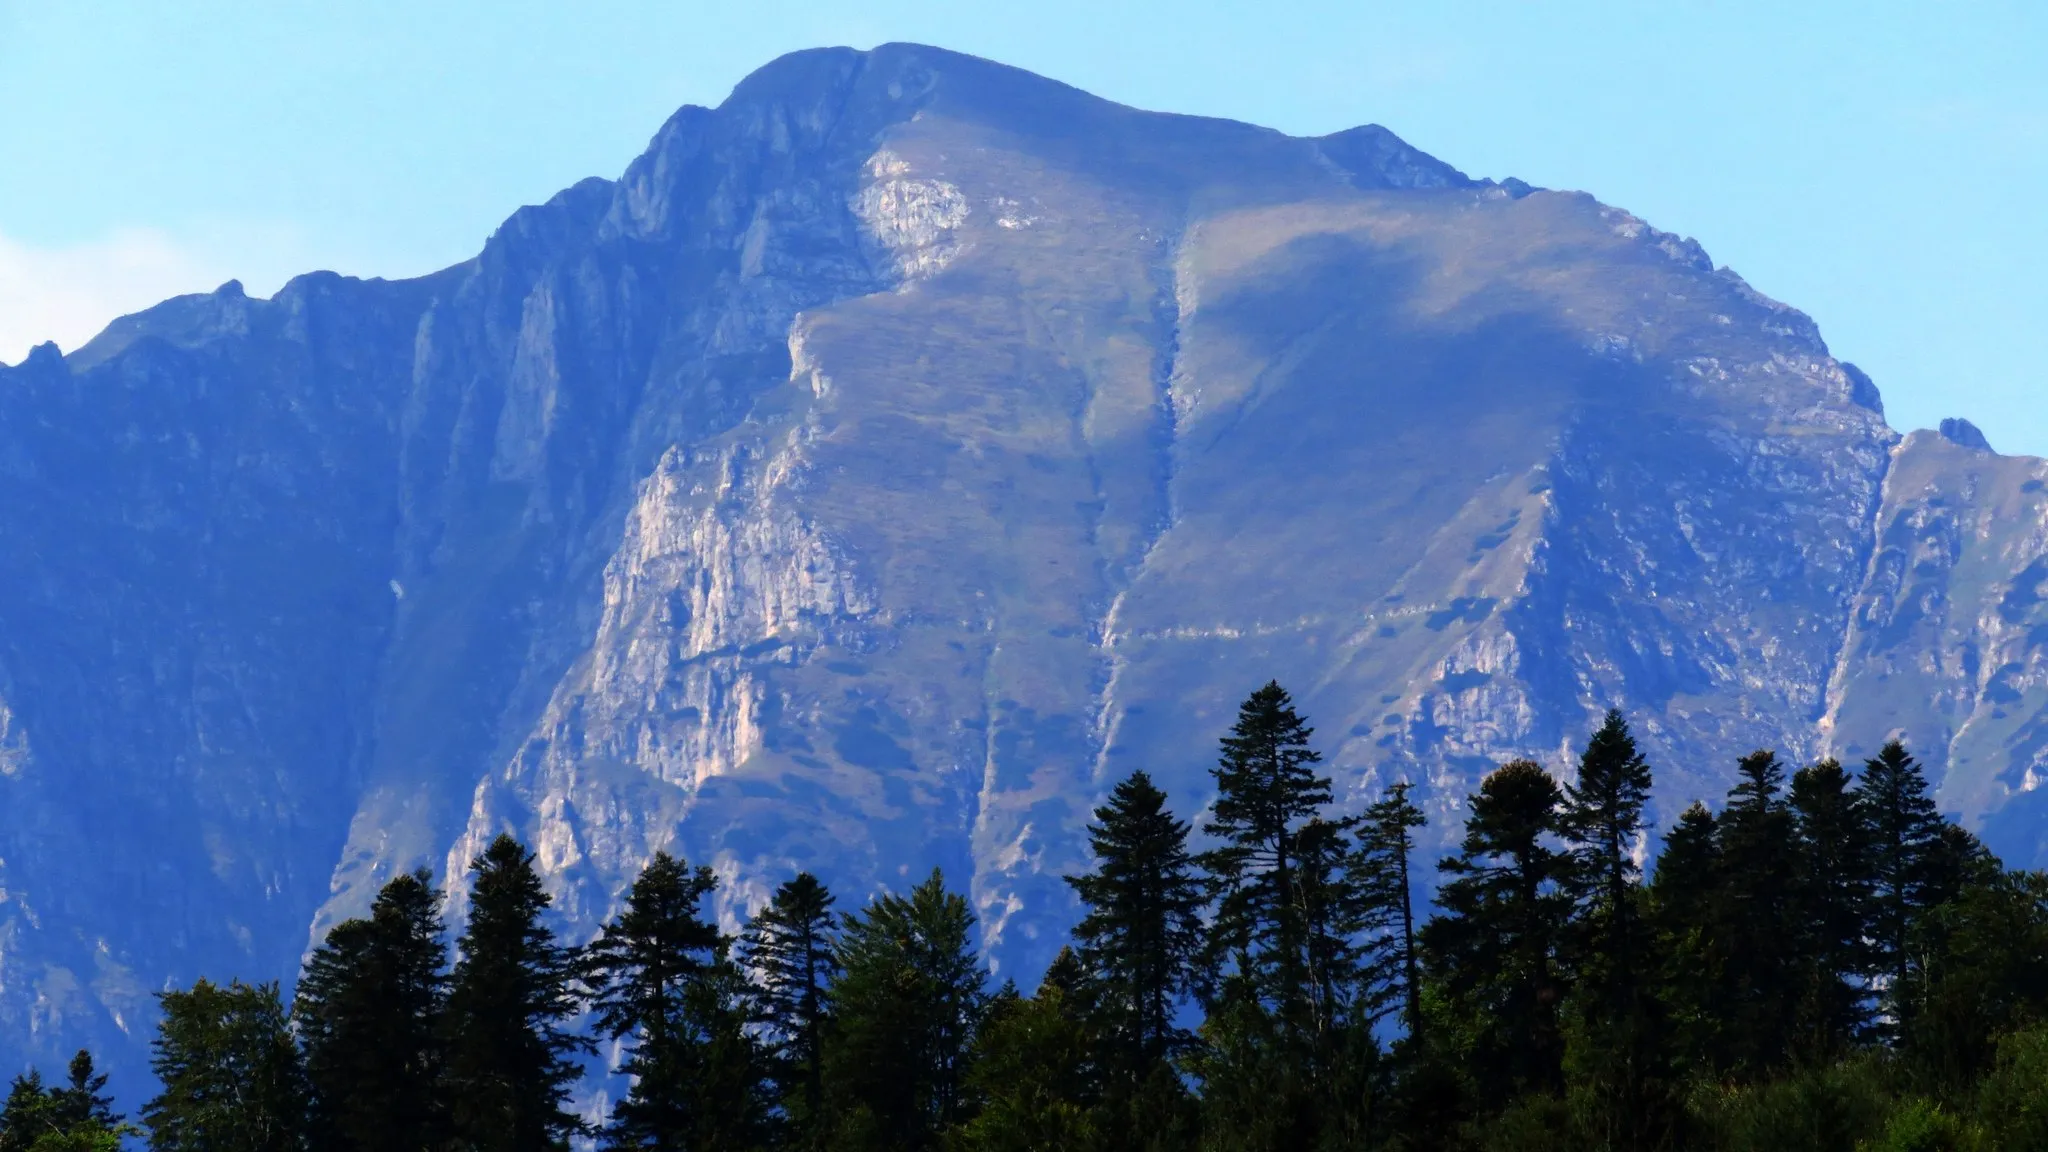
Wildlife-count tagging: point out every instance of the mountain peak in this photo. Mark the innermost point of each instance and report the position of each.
(1959, 431)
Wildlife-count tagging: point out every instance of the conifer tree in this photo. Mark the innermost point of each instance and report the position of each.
(510, 998)
(230, 1072)
(1756, 919)
(1143, 926)
(1267, 791)
(1616, 1058)
(664, 983)
(1494, 947)
(789, 948)
(1684, 899)
(1602, 819)
(1333, 917)
(1381, 866)
(368, 1012)
(74, 1117)
(1834, 887)
(1033, 1081)
(907, 1003)
(1904, 830)
(29, 1115)
(83, 1102)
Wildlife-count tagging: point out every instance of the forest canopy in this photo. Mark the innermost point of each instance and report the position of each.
(1821, 961)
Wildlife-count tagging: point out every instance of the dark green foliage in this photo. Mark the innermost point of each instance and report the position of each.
(1683, 901)
(1755, 925)
(1553, 1001)
(1267, 791)
(1904, 830)
(75, 1117)
(1033, 1084)
(230, 1072)
(1381, 867)
(511, 997)
(908, 1000)
(1494, 948)
(1981, 969)
(1256, 1090)
(1142, 929)
(788, 947)
(29, 1115)
(663, 983)
(1620, 1085)
(1833, 912)
(368, 1012)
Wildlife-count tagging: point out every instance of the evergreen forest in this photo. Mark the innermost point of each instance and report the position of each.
(1819, 962)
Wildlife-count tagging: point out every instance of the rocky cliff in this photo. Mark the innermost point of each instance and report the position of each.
(891, 459)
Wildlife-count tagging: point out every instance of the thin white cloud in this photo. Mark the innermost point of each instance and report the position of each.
(69, 293)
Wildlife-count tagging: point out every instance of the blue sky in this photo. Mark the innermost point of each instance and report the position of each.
(1879, 165)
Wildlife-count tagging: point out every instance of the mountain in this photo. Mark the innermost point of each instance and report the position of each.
(894, 457)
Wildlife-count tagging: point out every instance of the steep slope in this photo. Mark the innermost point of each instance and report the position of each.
(892, 458)
(1948, 648)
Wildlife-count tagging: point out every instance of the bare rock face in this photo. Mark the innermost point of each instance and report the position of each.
(892, 459)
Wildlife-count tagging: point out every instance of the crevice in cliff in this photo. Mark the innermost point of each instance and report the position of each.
(1838, 671)
(1166, 367)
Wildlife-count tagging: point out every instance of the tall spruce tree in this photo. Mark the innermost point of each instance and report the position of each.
(909, 998)
(1267, 792)
(664, 984)
(82, 1103)
(1756, 920)
(1495, 946)
(368, 1013)
(1386, 894)
(1684, 899)
(1333, 916)
(788, 946)
(1832, 833)
(512, 994)
(76, 1116)
(1601, 821)
(230, 1072)
(28, 1114)
(1143, 926)
(1033, 1078)
(1616, 1059)
(1904, 831)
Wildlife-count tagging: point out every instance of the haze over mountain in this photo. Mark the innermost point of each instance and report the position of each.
(891, 459)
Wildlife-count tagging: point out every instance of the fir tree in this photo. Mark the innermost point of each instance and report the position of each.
(83, 1102)
(512, 993)
(1494, 947)
(1032, 1079)
(230, 1072)
(1333, 917)
(908, 1000)
(1267, 791)
(665, 984)
(1684, 897)
(75, 1117)
(368, 1012)
(1616, 1063)
(789, 948)
(30, 1113)
(1602, 819)
(1386, 848)
(1142, 929)
(1756, 926)
(1834, 887)
(1904, 829)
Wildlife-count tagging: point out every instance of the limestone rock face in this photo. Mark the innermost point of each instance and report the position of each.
(892, 459)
